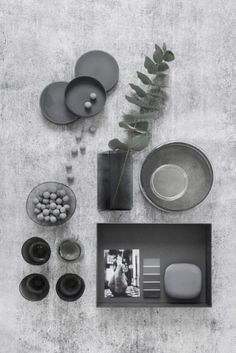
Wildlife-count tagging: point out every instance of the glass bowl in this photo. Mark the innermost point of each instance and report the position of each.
(62, 195)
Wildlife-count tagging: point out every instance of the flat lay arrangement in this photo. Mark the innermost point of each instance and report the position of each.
(137, 264)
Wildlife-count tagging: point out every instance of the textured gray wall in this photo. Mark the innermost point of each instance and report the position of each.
(40, 41)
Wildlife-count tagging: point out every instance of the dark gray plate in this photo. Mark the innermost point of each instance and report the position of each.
(77, 93)
(195, 164)
(52, 104)
(100, 65)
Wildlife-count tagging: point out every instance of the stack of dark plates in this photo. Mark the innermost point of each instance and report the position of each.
(96, 73)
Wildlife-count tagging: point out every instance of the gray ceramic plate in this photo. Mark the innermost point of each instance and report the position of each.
(78, 92)
(100, 65)
(52, 104)
(195, 166)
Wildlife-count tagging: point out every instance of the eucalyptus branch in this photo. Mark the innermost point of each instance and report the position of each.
(148, 101)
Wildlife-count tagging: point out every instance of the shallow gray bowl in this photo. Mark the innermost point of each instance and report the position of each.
(195, 164)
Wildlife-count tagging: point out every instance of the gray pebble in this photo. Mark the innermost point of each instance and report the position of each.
(82, 149)
(59, 207)
(62, 216)
(74, 151)
(92, 129)
(42, 206)
(45, 201)
(53, 196)
(46, 195)
(68, 167)
(40, 217)
(67, 207)
(63, 210)
(47, 219)
(70, 178)
(38, 205)
(78, 137)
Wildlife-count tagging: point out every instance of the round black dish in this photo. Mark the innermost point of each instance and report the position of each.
(36, 251)
(100, 65)
(70, 287)
(52, 104)
(78, 92)
(34, 287)
(196, 166)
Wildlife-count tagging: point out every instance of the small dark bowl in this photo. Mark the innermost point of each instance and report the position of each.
(70, 287)
(36, 251)
(34, 287)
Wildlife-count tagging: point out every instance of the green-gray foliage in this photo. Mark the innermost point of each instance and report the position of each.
(148, 100)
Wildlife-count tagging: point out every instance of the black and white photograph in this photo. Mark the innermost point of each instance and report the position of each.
(122, 273)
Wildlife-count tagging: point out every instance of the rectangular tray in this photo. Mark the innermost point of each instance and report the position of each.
(172, 243)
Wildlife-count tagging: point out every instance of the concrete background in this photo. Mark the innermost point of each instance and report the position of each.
(40, 41)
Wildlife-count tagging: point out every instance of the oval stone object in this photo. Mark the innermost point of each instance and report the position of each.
(183, 281)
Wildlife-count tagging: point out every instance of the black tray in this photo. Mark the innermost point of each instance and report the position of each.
(172, 243)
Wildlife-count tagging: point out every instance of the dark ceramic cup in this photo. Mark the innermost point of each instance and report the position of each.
(34, 287)
(70, 287)
(36, 251)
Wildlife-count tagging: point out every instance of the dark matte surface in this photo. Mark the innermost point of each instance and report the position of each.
(196, 166)
(29, 293)
(53, 106)
(78, 92)
(25, 251)
(172, 243)
(99, 65)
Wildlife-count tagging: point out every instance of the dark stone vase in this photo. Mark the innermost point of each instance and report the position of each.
(115, 181)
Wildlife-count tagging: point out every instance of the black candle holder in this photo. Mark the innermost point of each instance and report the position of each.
(70, 287)
(34, 287)
(36, 251)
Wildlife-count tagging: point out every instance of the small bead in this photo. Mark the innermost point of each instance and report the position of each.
(45, 201)
(35, 200)
(56, 212)
(63, 210)
(47, 219)
(92, 129)
(65, 198)
(45, 212)
(38, 205)
(53, 196)
(62, 216)
(59, 201)
(67, 207)
(53, 206)
(40, 217)
(53, 219)
(93, 96)
(59, 207)
(88, 105)
(46, 195)
(43, 206)
(36, 211)
(62, 192)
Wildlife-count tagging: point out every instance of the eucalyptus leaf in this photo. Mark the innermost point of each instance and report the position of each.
(133, 127)
(163, 67)
(138, 142)
(169, 56)
(144, 78)
(158, 54)
(141, 126)
(133, 117)
(140, 92)
(150, 65)
(116, 144)
(139, 102)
